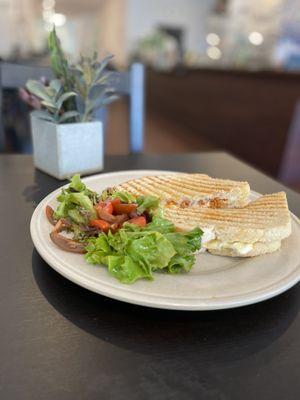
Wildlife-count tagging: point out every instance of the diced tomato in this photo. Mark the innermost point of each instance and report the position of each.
(100, 224)
(99, 207)
(141, 221)
(102, 214)
(116, 201)
(124, 208)
(107, 206)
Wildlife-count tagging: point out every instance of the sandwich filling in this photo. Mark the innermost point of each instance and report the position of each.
(214, 245)
(238, 248)
(255, 229)
(210, 243)
(216, 202)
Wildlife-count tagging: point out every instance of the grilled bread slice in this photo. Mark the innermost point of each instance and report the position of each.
(255, 229)
(188, 190)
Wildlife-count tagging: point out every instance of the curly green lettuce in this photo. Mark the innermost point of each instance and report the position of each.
(134, 252)
(76, 202)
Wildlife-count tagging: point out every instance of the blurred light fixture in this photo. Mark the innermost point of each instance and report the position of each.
(256, 38)
(58, 19)
(50, 16)
(47, 15)
(48, 4)
(213, 39)
(214, 53)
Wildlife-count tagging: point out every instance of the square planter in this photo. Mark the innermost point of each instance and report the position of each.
(65, 149)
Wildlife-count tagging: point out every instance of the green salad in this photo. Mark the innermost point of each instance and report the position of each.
(126, 233)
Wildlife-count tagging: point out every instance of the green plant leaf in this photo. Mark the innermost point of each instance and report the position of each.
(51, 93)
(87, 73)
(45, 115)
(80, 104)
(79, 83)
(51, 106)
(95, 56)
(68, 115)
(106, 101)
(87, 116)
(63, 98)
(90, 83)
(38, 89)
(96, 91)
(103, 79)
(61, 67)
(102, 66)
(58, 60)
(56, 85)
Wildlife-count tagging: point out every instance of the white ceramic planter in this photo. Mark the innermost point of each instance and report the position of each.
(66, 149)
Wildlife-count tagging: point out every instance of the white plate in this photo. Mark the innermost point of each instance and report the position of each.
(214, 282)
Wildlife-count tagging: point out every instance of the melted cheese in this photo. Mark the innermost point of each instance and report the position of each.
(208, 235)
(238, 248)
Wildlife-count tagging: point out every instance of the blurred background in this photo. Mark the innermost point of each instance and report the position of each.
(220, 74)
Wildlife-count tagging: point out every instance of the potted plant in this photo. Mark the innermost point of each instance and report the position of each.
(66, 138)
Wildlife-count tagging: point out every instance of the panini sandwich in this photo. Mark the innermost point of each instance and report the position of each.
(255, 229)
(188, 190)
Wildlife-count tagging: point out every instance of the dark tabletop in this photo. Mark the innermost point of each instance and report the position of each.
(60, 341)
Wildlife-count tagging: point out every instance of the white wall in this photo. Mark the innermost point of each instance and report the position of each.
(144, 15)
(6, 36)
(113, 29)
(17, 26)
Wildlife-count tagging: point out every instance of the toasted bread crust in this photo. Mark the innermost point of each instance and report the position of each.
(189, 190)
(266, 219)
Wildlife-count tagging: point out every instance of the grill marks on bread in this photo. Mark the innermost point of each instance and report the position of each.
(190, 190)
(267, 211)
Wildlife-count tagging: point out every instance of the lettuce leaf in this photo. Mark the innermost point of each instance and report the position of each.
(183, 241)
(76, 216)
(76, 184)
(98, 249)
(124, 196)
(126, 269)
(148, 203)
(181, 263)
(152, 251)
(161, 225)
(76, 202)
(134, 252)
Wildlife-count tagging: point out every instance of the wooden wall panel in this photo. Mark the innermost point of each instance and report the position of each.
(246, 113)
